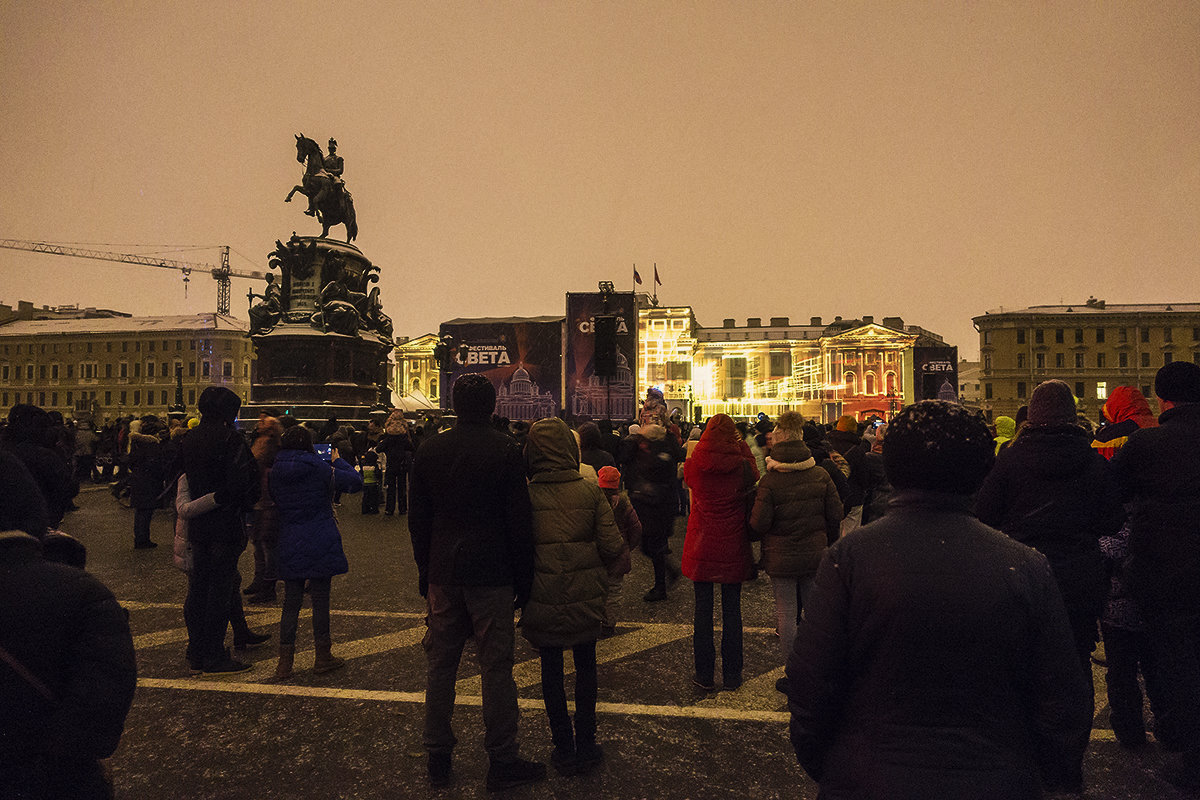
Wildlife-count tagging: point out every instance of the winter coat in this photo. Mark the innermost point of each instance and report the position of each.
(1006, 429)
(469, 513)
(796, 510)
(217, 459)
(576, 542)
(302, 485)
(647, 461)
(1051, 491)
(397, 449)
(875, 506)
(934, 659)
(67, 629)
(717, 548)
(147, 472)
(852, 447)
(1158, 470)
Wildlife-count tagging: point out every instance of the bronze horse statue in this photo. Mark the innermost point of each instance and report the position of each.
(333, 204)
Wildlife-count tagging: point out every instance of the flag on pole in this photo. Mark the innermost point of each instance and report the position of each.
(636, 277)
(657, 282)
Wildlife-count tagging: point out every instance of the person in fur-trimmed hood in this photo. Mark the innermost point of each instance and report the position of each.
(798, 512)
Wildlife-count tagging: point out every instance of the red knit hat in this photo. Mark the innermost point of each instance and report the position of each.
(610, 478)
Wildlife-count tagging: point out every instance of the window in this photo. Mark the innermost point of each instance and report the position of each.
(89, 347)
(416, 384)
(1079, 361)
(124, 397)
(124, 347)
(29, 372)
(1145, 334)
(246, 369)
(869, 383)
(54, 372)
(1058, 335)
(178, 344)
(414, 363)
(1167, 358)
(137, 397)
(1079, 336)
(1196, 334)
(851, 383)
(433, 389)
(164, 397)
(1039, 336)
(108, 370)
(191, 369)
(41, 398)
(191, 397)
(889, 382)
(4, 372)
(1060, 360)
(70, 372)
(204, 369)
(1078, 388)
(987, 362)
(987, 391)
(1122, 335)
(108, 347)
(108, 398)
(1146, 390)
(124, 370)
(987, 337)
(1099, 360)
(1021, 389)
(1020, 361)
(137, 369)
(1099, 335)
(150, 345)
(1168, 334)
(1122, 360)
(42, 372)
(781, 364)
(150, 369)
(1040, 359)
(227, 345)
(1145, 359)
(678, 371)
(226, 369)
(70, 398)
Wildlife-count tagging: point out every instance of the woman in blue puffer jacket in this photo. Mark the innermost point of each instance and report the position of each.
(302, 484)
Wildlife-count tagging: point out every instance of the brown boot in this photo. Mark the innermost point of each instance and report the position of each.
(287, 655)
(325, 661)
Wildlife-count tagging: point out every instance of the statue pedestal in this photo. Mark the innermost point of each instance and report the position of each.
(325, 352)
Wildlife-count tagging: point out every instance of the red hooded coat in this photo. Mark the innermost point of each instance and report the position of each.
(717, 549)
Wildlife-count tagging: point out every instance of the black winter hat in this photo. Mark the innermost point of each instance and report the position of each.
(1052, 404)
(219, 403)
(938, 446)
(1178, 382)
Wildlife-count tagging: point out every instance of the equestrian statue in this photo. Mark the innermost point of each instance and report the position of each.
(322, 184)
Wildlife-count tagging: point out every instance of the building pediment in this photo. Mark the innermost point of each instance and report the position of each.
(870, 335)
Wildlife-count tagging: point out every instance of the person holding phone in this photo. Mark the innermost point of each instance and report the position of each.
(302, 483)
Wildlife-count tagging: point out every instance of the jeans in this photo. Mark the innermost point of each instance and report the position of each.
(554, 695)
(731, 633)
(206, 610)
(787, 592)
(293, 598)
(455, 614)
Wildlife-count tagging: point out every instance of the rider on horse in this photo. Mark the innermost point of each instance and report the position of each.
(332, 167)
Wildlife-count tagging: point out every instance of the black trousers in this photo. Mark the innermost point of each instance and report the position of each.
(554, 695)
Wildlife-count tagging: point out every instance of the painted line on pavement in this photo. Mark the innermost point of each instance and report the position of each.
(138, 605)
(528, 704)
(355, 648)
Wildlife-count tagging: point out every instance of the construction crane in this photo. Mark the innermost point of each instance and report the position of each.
(220, 274)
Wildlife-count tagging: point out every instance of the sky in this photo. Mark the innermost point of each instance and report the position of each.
(928, 160)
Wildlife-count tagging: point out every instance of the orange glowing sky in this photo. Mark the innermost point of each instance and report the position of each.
(927, 160)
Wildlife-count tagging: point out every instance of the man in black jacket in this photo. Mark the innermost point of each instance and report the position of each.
(934, 657)
(216, 459)
(67, 668)
(1159, 471)
(472, 537)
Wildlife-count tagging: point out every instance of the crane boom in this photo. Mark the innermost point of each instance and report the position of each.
(221, 274)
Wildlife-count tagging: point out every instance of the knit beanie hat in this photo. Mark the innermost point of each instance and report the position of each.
(474, 396)
(847, 424)
(1178, 382)
(610, 478)
(938, 446)
(1052, 404)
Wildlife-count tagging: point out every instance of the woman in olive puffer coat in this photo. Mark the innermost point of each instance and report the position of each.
(798, 512)
(576, 543)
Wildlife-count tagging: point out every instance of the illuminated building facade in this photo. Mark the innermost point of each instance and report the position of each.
(416, 368)
(1093, 346)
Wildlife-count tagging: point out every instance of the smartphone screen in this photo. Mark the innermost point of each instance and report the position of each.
(325, 451)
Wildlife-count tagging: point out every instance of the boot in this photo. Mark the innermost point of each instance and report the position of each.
(326, 661)
(287, 655)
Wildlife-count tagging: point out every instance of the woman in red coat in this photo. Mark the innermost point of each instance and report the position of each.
(717, 550)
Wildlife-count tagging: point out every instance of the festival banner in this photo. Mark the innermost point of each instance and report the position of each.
(585, 393)
(521, 356)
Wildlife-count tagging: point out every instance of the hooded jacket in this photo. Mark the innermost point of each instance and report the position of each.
(797, 510)
(717, 549)
(1126, 411)
(1006, 429)
(302, 485)
(575, 541)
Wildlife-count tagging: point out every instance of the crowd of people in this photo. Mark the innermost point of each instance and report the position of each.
(940, 586)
